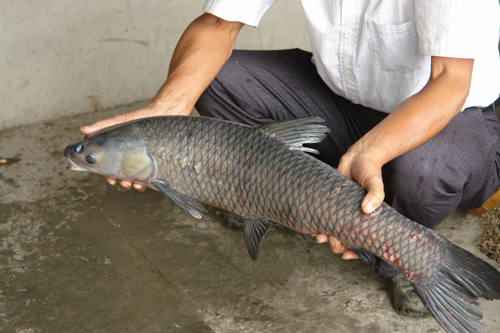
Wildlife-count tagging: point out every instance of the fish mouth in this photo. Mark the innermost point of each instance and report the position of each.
(73, 166)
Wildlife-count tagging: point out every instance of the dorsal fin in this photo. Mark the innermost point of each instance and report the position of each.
(296, 132)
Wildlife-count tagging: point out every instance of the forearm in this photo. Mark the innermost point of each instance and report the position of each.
(201, 52)
(421, 116)
(416, 120)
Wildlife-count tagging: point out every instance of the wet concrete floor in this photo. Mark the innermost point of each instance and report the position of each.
(79, 255)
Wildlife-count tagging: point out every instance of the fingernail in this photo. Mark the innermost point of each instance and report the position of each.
(349, 256)
(368, 207)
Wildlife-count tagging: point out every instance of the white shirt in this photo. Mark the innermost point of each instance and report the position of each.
(378, 52)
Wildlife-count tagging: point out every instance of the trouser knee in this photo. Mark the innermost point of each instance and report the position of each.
(230, 97)
(423, 189)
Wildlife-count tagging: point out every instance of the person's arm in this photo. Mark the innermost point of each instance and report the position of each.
(412, 123)
(201, 52)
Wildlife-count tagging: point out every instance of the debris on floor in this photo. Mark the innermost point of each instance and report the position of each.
(7, 161)
(489, 241)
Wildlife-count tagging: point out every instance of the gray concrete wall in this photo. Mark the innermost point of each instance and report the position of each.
(62, 57)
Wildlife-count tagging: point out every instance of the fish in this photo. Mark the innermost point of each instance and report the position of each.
(268, 175)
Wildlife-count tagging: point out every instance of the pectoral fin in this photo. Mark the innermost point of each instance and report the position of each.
(255, 230)
(187, 205)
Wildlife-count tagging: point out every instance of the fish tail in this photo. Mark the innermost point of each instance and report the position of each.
(451, 295)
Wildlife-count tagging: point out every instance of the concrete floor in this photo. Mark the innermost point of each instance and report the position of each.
(78, 255)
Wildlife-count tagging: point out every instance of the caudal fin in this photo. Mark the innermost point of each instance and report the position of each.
(451, 296)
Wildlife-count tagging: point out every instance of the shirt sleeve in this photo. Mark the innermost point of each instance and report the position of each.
(458, 28)
(245, 11)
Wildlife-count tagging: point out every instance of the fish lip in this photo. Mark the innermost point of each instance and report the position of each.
(73, 166)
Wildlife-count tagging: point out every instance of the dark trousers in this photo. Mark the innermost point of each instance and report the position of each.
(458, 168)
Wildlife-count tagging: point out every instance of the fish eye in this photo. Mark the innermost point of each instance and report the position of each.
(90, 159)
(79, 149)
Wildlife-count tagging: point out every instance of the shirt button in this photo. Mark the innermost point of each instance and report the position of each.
(348, 32)
(347, 73)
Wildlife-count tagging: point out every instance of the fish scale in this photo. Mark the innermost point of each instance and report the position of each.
(264, 175)
(298, 188)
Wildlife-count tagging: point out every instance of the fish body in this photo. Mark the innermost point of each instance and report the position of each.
(264, 175)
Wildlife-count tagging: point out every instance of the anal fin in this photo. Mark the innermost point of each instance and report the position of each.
(364, 255)
(255, 229)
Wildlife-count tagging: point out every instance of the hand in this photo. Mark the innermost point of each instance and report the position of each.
(337, 247)
(416, 120)
(363, 169)
(151, 110)
(202, 50)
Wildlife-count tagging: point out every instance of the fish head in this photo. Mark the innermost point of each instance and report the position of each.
(117, 153)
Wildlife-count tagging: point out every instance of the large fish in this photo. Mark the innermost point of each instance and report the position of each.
(264, 175)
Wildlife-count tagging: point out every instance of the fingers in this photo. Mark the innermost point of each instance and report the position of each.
(366, 172)
(336, 246)
(121, 118)
(97, 126)
(126, 185)
(139, 187)
(111, 181)
(321, 238)
(349, 255)
(374, 196)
